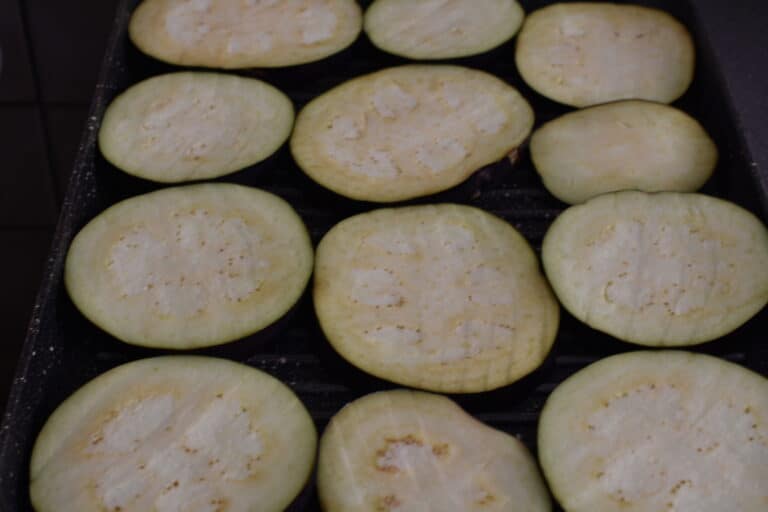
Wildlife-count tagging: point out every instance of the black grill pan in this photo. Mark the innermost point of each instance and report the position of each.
(63, 350)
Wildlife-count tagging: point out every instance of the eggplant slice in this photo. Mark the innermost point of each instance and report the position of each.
(232, 34)
(658, 431)
(626, 145)
(441, 29)
(585, 53)
(190, 267)
(408, 451)
(174, 433)
(408, 131)
(441, 297)
(193, 126)
(659, 269)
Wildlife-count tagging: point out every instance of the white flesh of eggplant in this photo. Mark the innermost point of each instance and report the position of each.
(441, 29)
(191, 266)
(234, 34)
(626, 145)
(192, 126)
(441, 297)
(174, 433)
(407, 451)
(408, 131)
(658, 431)
(659, 269)
(587, 53)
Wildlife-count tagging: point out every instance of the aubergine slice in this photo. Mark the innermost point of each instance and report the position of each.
(624, 145)
(192, 126)
(190, 267)
(233, 34)
(657, 431)
(174, 433)
(585, 53)
(408, 451)
(441, 297)
(408, 131)
(659, 269)
(441, 29)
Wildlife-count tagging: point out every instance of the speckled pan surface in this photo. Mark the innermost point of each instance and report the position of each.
(63, 350)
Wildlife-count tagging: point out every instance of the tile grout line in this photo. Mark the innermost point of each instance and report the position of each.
(13, 228)
(33, 103)
(42, 112)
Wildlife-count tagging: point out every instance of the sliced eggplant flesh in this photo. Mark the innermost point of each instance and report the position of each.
(408, 131)
(233, 34)
(658, 431)
(192, 126)
(585, 53)
(190, 267)
(659, 269)
(441, 297)
(174, 433)
(626, 145)
(441, 29)
(408, 451)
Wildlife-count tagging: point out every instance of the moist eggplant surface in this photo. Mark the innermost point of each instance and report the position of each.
(408, 131)
(441, 29)
(174, 433)
(441, 297)
(411, 451)
(233, 34)
(626, 145)
(192, 126)
(585, 53)
(650, 431)
(190, 267)
(661, 269)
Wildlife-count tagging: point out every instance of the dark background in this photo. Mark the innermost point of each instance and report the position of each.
(51, 52)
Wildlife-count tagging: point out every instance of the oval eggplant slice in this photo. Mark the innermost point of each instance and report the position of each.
(653, 431)
(190, 267)
(233, 34)
(192, 126)
(441, 29)
(409, 451)
(583, 54)
(174, 433)
(659, 269)
(619, 146)
(408, 131)
(440, 297)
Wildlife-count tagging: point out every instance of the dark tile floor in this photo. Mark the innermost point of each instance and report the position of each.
(51, 54)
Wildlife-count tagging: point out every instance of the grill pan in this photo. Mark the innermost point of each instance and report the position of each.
(62, 350)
